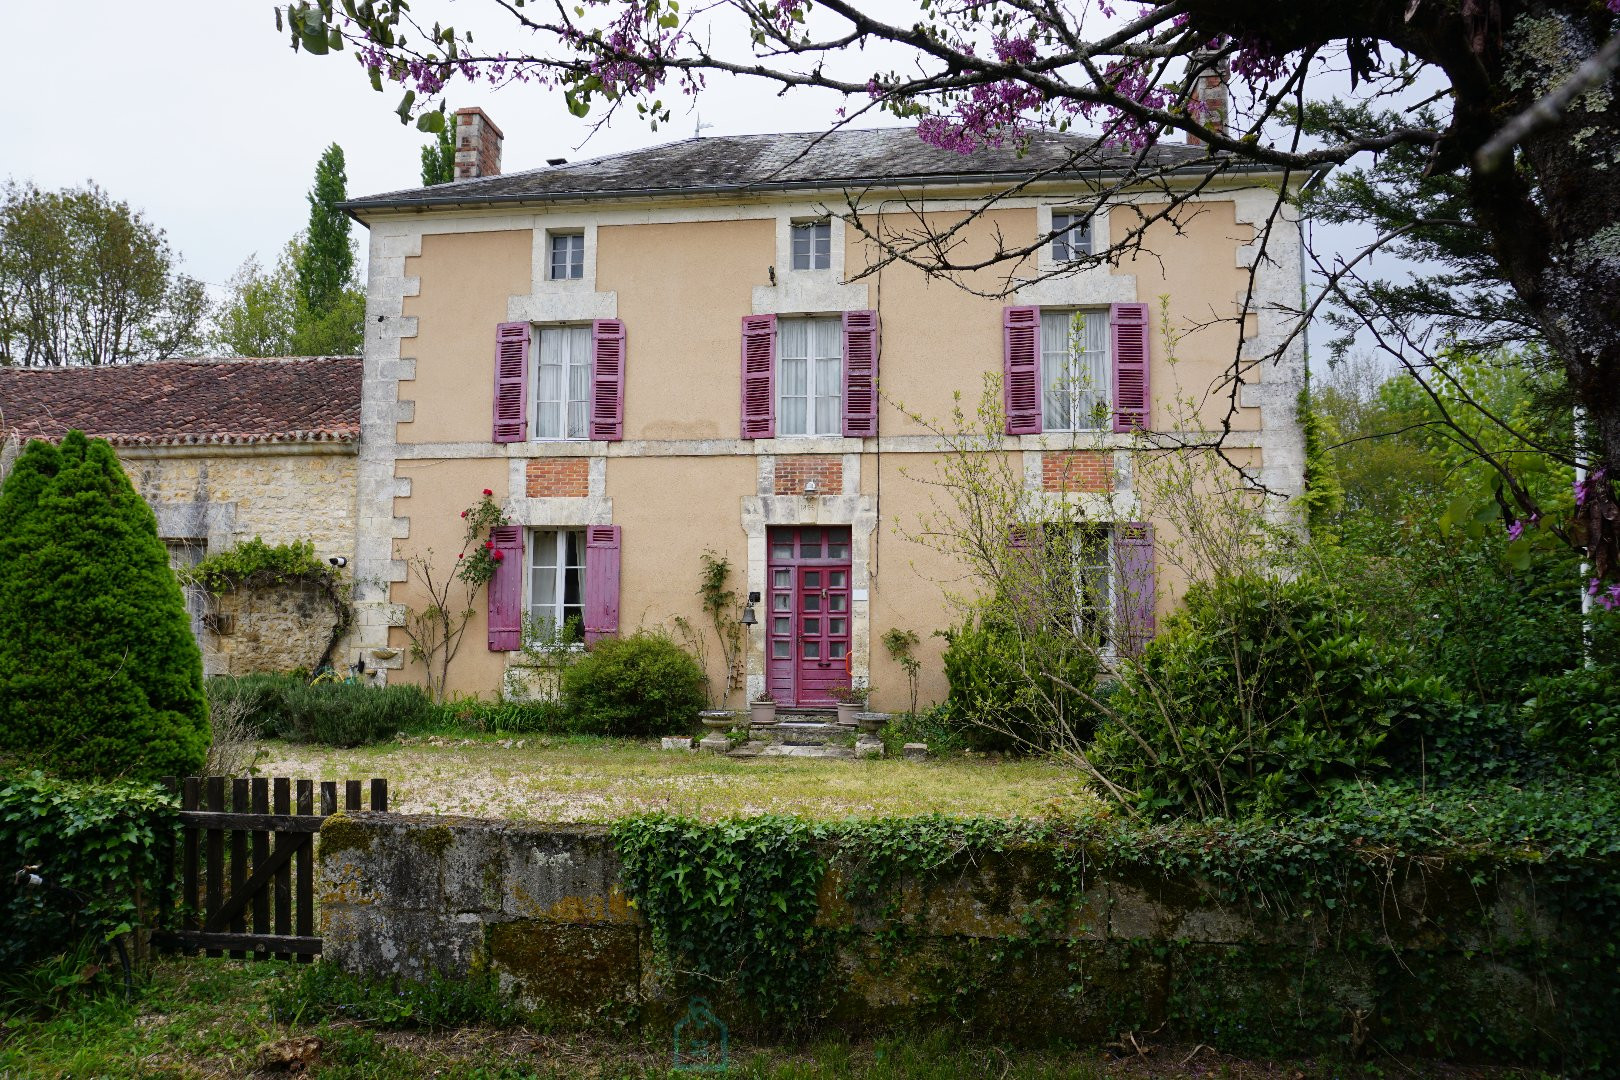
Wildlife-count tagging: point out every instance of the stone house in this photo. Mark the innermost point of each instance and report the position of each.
(576, 338)
(223, 451)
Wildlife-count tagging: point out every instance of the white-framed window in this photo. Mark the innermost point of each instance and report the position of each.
(1085, 554)
(562, 383)
(567, 256)
(812, 245)
(1075, 391)
(1071, 235)
(557, 582)
(809, 376)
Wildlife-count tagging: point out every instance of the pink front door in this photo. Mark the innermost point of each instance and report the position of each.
(807, 637)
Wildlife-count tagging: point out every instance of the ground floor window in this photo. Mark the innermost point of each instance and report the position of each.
(1082, 559)
(557, 583)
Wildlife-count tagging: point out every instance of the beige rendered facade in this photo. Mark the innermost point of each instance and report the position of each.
(682, 269)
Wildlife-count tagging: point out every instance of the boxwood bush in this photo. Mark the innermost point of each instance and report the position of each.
(643, 684)
(1010, 689)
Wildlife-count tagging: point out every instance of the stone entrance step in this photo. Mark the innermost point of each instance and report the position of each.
(758, 748)
(801, 732)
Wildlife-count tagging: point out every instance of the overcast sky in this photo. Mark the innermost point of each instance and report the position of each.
(199, 114)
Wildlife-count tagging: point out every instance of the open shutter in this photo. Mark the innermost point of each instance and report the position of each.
(511, 382)
(506, 590)
(601, 581)
(1021, 369)
(607, 380)
(759, 377)
(1131, 400)
(1135, 595)
(860, 373)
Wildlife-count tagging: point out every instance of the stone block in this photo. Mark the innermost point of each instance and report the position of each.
(672, 742)
(868, 748)
(573, 971)
(382, 941)
(914, 751)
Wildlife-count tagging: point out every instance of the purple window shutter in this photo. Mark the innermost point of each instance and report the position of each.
(601, 581)
(511, 382)
(759, 377)
(1131, 361)
(1134, 599)
(607, 380)
(1021, 369)
(861, 337)
(506, 590)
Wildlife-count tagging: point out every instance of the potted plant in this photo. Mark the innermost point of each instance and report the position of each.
(851, 700)
(762, 710)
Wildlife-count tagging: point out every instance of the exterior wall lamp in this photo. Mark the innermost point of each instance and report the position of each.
(810, 488)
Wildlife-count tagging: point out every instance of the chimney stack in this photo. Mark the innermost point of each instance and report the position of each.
(1207, 96)
(478, 145)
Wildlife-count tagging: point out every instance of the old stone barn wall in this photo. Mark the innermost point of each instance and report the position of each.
(208, 499)
(1450, 956)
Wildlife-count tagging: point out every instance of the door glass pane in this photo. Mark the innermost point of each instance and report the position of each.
(836, 650)
(837, 602)
(782, 579)
(837, 579)
(812, 602)
(781, 602)
(781, 625)
(812, 579)
(812, 626)
(781, 650)
(810, 544)
(812, 650)
(837, 547)
(838, 627)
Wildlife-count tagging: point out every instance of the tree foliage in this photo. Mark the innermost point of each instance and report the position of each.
(439, 156)
(84, 279)
(326, 263)
(99, 673)
(1537, 213)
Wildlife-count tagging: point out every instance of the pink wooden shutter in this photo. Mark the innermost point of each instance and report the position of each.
(607, 380)
(506, 590)
(511, 382)
(1021, 369)
(1131, 400)
(861, 336)
(1135, 595)
(601, 581)
(759, 377)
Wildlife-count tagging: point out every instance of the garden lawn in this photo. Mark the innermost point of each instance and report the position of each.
(585, 779)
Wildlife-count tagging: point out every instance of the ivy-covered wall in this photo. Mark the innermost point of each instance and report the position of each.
(1024, 931)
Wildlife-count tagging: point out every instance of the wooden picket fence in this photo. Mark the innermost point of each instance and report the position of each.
(249, 860)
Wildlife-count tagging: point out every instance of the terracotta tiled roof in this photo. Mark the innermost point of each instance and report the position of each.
(195, 402)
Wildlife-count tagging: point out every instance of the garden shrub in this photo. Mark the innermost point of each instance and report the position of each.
(259, 698)
(1575, 718)
(1254, 696)
(507, 717)
(99, 673)
(932, 725)
(643, 684)
(1007, 686)
(329, 713)
(94, 844)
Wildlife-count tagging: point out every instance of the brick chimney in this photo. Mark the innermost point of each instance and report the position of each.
(1209, 90)
(478, 145)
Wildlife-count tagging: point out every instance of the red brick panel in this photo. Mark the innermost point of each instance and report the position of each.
(1077, 470)
(559, 478)
(793, 471)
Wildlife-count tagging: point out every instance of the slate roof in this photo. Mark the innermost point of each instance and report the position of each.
(188, 402)
(844, 158)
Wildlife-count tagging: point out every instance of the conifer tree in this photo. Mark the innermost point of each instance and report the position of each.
(99, 673)
(326, 264)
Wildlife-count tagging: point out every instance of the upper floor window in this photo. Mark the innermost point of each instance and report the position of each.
(563, 383)
(567, 256)
(810, 376)
(1074, 371)
(812, 245)
(1071, 236)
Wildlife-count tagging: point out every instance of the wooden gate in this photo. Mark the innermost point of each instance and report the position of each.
(252, 861)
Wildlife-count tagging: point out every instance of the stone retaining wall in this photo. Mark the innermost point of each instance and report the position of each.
(541, 907)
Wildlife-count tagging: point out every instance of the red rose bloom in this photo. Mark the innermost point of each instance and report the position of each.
(464, 513)
(488, 492)
(489, 545)
(499, 555)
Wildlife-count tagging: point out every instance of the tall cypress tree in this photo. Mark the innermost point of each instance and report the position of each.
(326, 264)
(99, 673)
(439, 156)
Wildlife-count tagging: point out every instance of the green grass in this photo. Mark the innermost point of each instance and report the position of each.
(201, 1018)
(587, 779)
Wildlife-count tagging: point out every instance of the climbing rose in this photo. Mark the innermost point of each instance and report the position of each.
(498, 556)
(489, 545)
(488, 492)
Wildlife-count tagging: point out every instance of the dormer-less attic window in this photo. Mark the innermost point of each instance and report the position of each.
(1071, 236)
(567, 256)
(812, 245)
